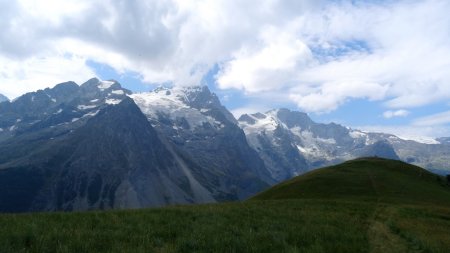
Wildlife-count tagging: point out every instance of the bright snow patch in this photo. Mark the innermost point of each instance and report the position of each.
(172, 103)
(91, 114)
(113, 101)
(118, 92)
(297, 131)
(328, 141)
(420, 139)
(357, 134)
(267, 124)
(307, 151)
(86, 107)
(103, 85)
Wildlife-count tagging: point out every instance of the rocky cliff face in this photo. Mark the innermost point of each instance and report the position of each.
(290, 143)
(194, 123)
(98, 146)
(91, 147)
(117, 160)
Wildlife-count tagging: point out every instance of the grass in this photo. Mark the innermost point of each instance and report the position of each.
(269, 226)
(368, 179)
(374, 217)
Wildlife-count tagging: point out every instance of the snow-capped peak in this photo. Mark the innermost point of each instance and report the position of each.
(259, 122)
(419, 139)
(104, 85)
(174, 103)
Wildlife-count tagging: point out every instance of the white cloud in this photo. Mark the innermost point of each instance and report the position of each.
(272, 66)
(317, 54)
(177, 41)
(437, 119)
(395, 52)
(397, 113)
(332, 94)
(405, 53)
(18, 77)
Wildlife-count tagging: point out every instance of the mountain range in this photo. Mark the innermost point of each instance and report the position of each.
(99, 146)
(290, 143)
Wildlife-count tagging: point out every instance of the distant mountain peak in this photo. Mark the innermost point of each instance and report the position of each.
(3, 98)
(196, 104)
(195, 96)
(275, 118)
(247, 119)
(63, 86)
(102, 85)
(293, 141)
(59, 106)
(161, 88)
(445, 140)
(104, 136)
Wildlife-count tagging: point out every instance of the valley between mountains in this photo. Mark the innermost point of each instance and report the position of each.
(98, 146)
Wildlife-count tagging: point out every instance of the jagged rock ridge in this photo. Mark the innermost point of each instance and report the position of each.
(91, 147)
(98, 146)
(290, 143)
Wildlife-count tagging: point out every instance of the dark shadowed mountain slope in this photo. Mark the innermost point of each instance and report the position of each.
(90, 147)
(195, 124)
(64, 107)
(97, 146)
(115, 160)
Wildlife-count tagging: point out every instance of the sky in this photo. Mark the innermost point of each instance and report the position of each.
(375, 65)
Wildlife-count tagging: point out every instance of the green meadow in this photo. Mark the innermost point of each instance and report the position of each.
(365, 205)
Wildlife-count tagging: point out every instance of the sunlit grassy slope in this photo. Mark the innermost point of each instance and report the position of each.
(366, 205)
(366, 179)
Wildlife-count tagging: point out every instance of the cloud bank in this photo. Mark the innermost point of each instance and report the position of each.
(316, 54)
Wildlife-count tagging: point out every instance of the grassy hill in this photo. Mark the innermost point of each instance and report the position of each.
(365, 205)
(366, 179)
